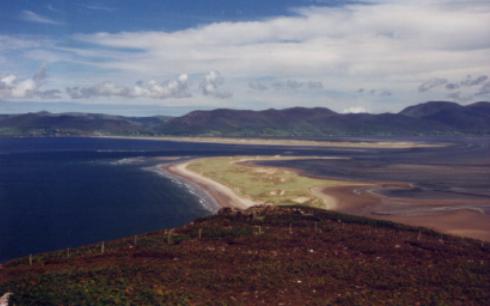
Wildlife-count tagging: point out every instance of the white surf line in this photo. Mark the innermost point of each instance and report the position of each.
(207, 201)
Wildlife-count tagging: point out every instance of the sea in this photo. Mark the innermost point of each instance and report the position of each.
(57, 193)
(60, 192)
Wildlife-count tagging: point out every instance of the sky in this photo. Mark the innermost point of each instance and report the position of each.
(163, 57)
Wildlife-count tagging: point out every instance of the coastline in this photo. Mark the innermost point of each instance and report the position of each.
(222, 195)
(206, 200)
(212, 195)
(286, 142)
(359, 198)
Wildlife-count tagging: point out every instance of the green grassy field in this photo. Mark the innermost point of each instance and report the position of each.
(266, 185)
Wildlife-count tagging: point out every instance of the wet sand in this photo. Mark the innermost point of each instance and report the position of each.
(468, 217)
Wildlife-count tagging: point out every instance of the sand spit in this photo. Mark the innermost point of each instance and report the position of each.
(289, 142)
(468, 218)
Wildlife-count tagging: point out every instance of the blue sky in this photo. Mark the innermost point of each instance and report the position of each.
(144, 57)
(143, 15)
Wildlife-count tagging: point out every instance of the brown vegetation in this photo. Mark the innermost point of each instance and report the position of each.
(262, 256)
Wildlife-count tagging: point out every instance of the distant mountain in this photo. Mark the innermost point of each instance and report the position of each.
(48, 124)
(474, 118)
(430, 118)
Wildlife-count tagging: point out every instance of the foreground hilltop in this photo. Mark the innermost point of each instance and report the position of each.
(431, 118)
(262, 256)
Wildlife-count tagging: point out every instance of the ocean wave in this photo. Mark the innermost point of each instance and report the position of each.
(205, 200)
(129, 161)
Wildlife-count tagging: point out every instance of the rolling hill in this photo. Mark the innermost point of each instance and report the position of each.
(431, 118)
(49, 124)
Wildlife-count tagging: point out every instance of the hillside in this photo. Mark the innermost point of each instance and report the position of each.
(261, 256)
(431, 118)
(48, 124)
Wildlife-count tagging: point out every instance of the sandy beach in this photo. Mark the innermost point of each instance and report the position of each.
(468, 218)
(224, 196)
(288, 142)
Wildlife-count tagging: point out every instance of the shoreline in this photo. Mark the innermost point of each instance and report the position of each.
(363, 199)
(206, 200)
(375, 144)
(220, 195)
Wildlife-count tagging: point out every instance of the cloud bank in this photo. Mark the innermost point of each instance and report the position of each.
(13, 87)
(466, 89)
(152, 89)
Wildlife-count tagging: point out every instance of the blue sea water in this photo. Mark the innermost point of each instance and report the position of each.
(58, 193)
(65, 192)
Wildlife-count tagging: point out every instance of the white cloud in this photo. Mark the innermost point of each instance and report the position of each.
(31, 16)
(431, 84)
(470, 81)
(388, 46)
(354, 110)
(12, 87)
(379, 38)
(464, 90)
(152, 89)
(211, 83)
(9, 43)
(291, 85)
(392, 45)
(100, 8)
(484, 90)
(375, 92)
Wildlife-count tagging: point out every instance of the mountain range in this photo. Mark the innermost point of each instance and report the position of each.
(430, 118)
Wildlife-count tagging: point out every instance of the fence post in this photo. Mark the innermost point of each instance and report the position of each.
(169, 237)
(68, 252)
(30, 259)
(199, 234)
(102, 247)
(135, 240)
(290, 229)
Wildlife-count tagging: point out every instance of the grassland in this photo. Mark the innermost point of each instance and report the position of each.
(263, 185)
